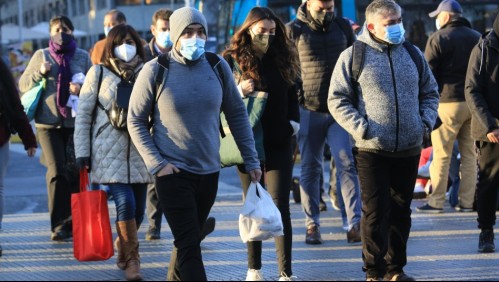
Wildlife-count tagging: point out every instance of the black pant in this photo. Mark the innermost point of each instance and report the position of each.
(153, 208)
(488, 184)
(387, 185)
(62, 181)
(277, 180)
(186, 200)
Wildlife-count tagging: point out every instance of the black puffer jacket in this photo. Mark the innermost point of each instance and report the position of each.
(447, 52)
(318, 48)
(482, 86)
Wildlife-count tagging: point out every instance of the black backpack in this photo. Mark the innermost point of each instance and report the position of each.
(358, 56)
(162, 74)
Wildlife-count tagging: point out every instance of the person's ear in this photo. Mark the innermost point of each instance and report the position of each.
(370, 27)
(445, 18)
(153, 30)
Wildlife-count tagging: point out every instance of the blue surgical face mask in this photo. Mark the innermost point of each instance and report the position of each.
(107, 29)
(394, 33)
(192, 48)
(163, 39)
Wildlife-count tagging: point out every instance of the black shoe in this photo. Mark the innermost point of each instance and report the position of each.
(353, 235)
(401, 276)
(486, 241)
(153, 233)
(208, 227)
(426, 208)
(313, 236)
(61, 235)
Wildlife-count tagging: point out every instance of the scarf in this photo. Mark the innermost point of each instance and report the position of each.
(127, 71)
(63, 54)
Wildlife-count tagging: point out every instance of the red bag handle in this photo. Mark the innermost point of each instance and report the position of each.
(84, 182)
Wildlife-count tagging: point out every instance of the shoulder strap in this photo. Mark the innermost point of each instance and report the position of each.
(358, 54)
(415, 56)
(346, 28)
(215, 64)
(97, 103)
(297, 30)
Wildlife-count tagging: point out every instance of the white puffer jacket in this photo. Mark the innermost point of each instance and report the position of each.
(114, 158)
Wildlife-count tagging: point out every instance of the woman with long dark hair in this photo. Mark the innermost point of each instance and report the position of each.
(106, 148)
(12, 118)
(264, 59)
(54, 120)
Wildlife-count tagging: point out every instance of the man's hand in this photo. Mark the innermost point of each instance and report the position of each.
(493, 136)
(255, 175)
(74, 88)
(45, 67)
(31, 152)
(168, 169)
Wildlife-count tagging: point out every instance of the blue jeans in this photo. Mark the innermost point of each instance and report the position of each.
(315, 130)
(130, 201)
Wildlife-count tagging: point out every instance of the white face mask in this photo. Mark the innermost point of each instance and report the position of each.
(125, 52)
(437, 23)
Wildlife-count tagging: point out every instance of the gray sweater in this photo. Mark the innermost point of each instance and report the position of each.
(394, 108)
(187, 117)
(47, 115)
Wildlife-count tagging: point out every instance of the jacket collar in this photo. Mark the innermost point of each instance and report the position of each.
(457, 22)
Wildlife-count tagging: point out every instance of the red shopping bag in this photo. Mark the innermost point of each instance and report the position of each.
(92, 236)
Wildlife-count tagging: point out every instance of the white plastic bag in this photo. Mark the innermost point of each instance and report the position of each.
(260, 219)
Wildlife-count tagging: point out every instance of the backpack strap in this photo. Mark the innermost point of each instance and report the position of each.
(216, 65)
(346, 27)
(296, 29)
(358, 55)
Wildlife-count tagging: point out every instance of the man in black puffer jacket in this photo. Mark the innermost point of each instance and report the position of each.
(320, 39)
(482, 95)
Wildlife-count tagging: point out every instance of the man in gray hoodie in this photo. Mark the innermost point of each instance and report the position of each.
(387, 111)
(182, 148)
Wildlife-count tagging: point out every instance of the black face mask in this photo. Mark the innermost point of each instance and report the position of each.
(262, 42)
(322, 18)
(62, 38)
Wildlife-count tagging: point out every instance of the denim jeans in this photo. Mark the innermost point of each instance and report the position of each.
(130, 201)
(186, 200)
(315, 130)
(4, 159)
(387, 189)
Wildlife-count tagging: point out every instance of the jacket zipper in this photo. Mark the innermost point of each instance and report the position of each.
(396, 99)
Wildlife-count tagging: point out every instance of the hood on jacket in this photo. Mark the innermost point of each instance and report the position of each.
(496, 25)
(368, 38)
(457, 22)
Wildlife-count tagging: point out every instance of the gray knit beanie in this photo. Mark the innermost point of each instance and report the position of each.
(182, 18)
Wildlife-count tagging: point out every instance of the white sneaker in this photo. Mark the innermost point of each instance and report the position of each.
(254, 275)
(285, 277)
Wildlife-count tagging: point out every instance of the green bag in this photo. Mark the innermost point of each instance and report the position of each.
(30, 99)
(229, 153)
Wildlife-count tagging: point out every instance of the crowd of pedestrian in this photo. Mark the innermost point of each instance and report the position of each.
(129, 113)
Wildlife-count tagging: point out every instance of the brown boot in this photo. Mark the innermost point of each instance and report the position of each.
(130, 245)
(120, 260)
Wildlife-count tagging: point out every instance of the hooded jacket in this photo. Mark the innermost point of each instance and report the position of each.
(394, 106)
(447, 52)
(318, 49)
(482, 85)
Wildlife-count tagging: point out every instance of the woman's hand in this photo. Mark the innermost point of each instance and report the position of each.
(255, 175)
(247, 86)
(168, 169)
(45, 67)
(74, 88)
(31, 152)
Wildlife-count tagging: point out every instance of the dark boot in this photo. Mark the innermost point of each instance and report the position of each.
(130, 247)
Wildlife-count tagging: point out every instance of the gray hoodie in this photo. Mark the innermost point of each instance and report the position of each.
(394, 108)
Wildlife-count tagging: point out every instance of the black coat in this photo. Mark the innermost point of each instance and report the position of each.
(482, 86)
(447, 52)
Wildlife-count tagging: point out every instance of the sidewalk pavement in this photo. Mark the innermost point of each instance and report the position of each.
(441, 247)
